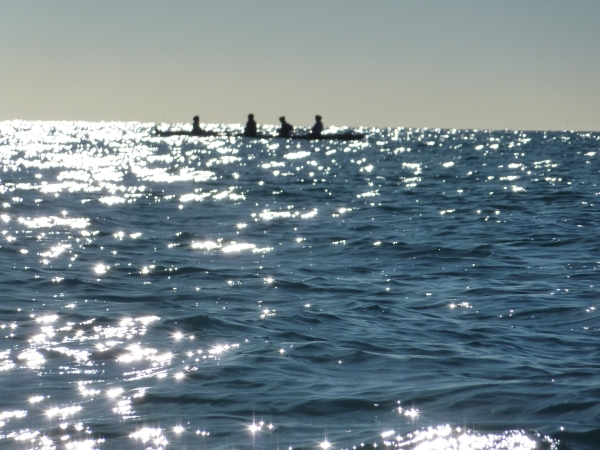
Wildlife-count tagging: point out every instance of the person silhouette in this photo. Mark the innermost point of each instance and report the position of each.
(196, 130)
(250, 130)
(317, 128)
(286, 129)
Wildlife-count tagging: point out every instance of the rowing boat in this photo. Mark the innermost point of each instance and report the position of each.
(307, 137)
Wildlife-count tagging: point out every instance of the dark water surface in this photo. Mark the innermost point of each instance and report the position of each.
(421, 289)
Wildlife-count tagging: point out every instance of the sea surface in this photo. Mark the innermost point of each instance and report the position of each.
(421, 289)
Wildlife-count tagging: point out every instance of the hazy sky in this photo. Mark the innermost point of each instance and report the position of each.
(459, 64)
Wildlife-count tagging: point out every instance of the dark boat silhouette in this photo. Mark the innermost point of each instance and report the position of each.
(348, 136)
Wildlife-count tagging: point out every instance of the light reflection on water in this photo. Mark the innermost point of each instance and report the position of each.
(194, 275)
(150, 363)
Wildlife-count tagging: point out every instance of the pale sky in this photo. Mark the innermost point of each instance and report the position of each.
(517, 64)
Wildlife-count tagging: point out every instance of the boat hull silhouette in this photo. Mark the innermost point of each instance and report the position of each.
(306, 137)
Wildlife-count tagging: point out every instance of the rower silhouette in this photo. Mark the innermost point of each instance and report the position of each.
(196, 130)
(286, 128)
(250, 130)
(317, 128)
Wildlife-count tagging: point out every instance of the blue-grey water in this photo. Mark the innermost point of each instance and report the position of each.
(420, 289)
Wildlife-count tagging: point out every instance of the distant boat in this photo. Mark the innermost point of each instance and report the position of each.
(348, 136)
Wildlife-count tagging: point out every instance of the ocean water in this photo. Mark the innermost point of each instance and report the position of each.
(420, 289)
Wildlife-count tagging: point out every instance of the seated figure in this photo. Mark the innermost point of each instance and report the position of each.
(196, 130)
(286, 129)
(317, 128)
(250, 130)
